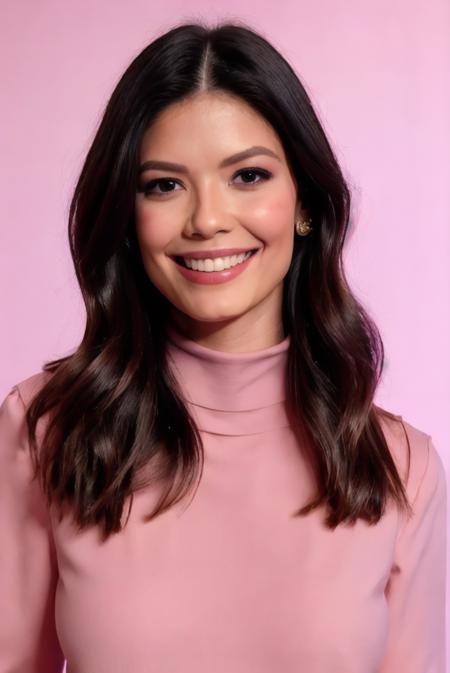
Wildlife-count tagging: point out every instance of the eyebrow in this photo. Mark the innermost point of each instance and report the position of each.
(256, 150)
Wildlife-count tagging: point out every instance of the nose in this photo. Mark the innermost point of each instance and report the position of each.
(209, 213)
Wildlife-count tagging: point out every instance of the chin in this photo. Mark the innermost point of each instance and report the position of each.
(209, 316)
(214, 317)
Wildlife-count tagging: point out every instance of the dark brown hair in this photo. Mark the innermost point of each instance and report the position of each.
(113, 408)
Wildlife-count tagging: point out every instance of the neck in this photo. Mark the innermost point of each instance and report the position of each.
(230, 336)
(238, 392)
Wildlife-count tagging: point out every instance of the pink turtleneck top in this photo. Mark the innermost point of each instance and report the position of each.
(227, 580)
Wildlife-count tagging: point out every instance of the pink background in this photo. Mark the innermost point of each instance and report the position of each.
(378, 75)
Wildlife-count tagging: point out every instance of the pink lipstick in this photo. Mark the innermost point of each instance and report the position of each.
(213, 277)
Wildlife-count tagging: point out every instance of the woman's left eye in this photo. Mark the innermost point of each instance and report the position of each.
(249, 172)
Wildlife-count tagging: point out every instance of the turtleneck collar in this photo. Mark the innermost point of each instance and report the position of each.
(231, 393)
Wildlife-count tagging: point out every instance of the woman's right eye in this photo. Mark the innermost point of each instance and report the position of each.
(147, 188)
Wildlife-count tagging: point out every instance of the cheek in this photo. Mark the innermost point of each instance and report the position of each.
(153, 233)
(274, 220)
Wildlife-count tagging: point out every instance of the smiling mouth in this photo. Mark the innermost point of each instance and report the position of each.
(181, 262)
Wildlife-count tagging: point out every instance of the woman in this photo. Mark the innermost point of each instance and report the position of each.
(225, 359)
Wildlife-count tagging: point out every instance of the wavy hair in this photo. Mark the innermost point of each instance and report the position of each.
(109, 403)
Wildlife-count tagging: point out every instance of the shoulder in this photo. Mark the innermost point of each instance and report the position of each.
(18, 487)
(13, 407)
(416, 457)
(22, 392)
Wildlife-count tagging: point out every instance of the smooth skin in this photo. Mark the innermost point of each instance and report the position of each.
(213, 207)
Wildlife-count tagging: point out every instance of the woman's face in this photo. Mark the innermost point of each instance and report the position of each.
(213, 202)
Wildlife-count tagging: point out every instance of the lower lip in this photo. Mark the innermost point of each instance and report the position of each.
(214, 277)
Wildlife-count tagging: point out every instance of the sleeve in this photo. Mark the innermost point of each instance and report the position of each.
(28, 568)
(416, 591)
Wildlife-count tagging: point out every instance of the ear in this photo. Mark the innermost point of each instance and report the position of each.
(300, 212)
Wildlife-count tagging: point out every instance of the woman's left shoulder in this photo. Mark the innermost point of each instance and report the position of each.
(416, 456)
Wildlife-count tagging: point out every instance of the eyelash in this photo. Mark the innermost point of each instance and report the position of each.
(265, 175)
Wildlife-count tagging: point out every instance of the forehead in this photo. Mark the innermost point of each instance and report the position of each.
(218, 120)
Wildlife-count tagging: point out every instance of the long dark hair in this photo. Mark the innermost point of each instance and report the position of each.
(115, 417)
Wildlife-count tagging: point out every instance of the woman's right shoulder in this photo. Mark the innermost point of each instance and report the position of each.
(23, 391)
(13, 426)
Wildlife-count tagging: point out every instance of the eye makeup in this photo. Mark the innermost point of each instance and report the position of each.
(148, 186)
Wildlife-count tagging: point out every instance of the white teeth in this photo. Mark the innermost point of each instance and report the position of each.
(217, 264)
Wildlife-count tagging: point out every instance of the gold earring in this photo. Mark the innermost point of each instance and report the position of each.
(303, 227)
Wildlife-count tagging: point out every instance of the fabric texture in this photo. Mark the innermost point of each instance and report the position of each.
(228, 580)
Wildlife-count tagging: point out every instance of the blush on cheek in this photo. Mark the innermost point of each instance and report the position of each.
(153, 235)
(274, 220)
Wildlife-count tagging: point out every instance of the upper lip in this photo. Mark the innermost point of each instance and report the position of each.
(212, 254)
